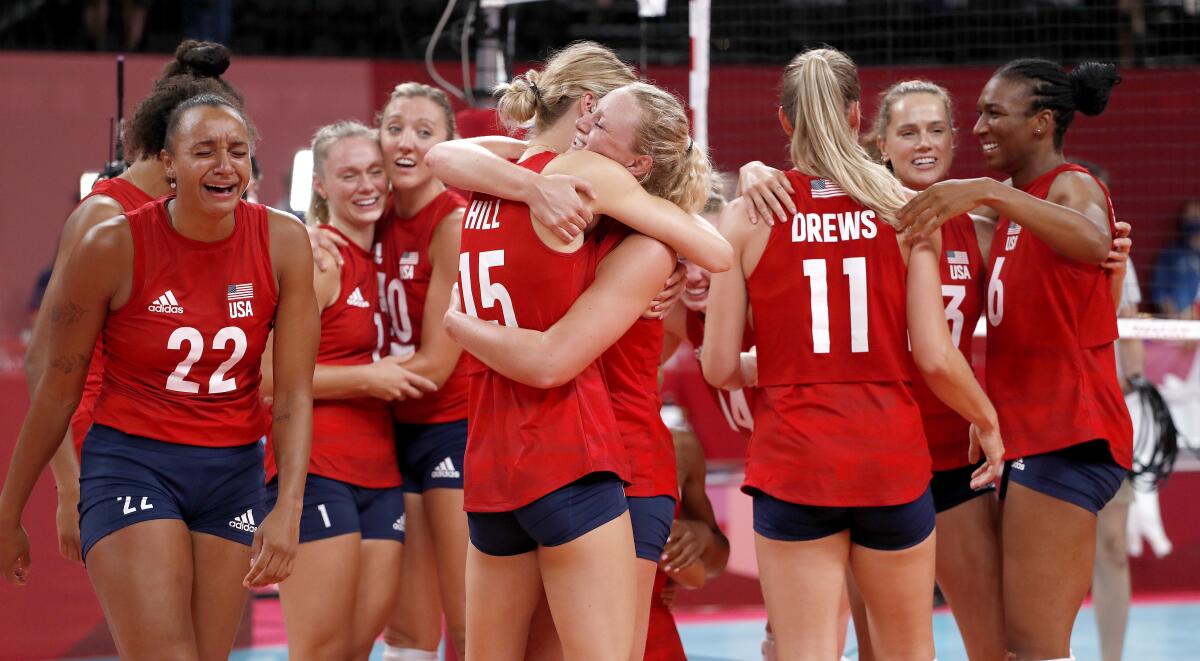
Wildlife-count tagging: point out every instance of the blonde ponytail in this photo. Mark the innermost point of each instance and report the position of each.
(818, 88)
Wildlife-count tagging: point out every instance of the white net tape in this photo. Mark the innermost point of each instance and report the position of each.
(1140, 328)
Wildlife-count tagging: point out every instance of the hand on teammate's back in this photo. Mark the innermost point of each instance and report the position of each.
(321, 241)
(686, 544)
(768, 192)
(669, 296)
(390, 380)
(557, 201)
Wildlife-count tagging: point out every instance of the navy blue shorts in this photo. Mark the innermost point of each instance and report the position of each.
(652, 518)
(1083, 475)
(127, 479)
(887, 528)
(952, 488)
(431, 456)
(560, 516)
(333, 508)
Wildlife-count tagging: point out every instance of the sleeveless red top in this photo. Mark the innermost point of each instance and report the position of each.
(837, 425)
(182, 356)
(351, 438)
(737, 406)
(963, 279)
(630, 368)
(1051, 370)
(403, 246)
(525, 442)
(129, 197)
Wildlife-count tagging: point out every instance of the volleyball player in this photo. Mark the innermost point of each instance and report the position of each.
(347, 568)
(644, 125)
(1050, 360)
(417, 250)
(833, 316)
(195, 69)
(185, 291)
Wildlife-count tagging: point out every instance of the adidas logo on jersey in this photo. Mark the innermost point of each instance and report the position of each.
(166, 304)
(445, 469)
(399, 524)
(356, 299)
(244, 522)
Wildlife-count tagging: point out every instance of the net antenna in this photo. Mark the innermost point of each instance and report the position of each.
(115, 164)
(699, 20)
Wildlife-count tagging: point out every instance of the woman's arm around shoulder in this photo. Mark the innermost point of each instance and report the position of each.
(725, 320)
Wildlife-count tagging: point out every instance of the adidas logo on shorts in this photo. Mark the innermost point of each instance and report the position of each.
(166, 304)
(1019, 464)
(244, 522)
(356, 299)
(445, 469)
(399, 524)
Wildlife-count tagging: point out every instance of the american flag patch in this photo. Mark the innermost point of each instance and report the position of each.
(1014, 228)
(822, 188)
(239, 292)
(410, 257)
(957, 257)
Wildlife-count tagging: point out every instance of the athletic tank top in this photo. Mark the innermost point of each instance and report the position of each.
(630, 368)
(403, 247)
(1051, 370)
(182, 356)
(837, 425)
(963, 279)
(351, 438)
(737, 406)
(525, 442)
(129, 197)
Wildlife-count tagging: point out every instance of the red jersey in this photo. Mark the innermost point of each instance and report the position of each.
(182, 356)
(662, 635)
(1051, 370)
(737, 406)
(962, 270)
(525, 442)
(129, 197)
(837, 424)
(403, 247)
(630, 368)
(352, 438)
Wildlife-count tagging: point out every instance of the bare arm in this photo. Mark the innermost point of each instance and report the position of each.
(697, 549)
(941, 364)
(627, 278)
(674, 332)
(297, 333)
(1072, 220)
(437, 356)
(619, 195)
(720, 358)
(98, 267)
(472, 165)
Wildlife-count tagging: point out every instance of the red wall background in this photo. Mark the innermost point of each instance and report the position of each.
(56, 107)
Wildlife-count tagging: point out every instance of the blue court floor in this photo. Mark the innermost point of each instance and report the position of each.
(1157, 632)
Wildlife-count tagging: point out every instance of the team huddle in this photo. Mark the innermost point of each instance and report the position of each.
(459, 396)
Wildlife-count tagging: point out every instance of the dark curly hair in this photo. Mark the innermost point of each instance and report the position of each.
(1086, 89)
(196, 70)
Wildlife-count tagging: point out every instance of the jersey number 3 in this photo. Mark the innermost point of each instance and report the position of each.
(217, 383)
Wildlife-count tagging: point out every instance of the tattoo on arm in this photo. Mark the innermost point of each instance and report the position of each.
(66, 314)
(283, 416)
(68, 364)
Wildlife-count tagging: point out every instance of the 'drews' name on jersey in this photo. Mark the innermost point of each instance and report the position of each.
(834, 227)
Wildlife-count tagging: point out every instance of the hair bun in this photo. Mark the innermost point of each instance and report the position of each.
(1091, 84)
(201, 58)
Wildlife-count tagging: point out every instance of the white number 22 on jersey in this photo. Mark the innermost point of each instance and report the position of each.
(490, 292)
(217, 383)
(854, 268)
